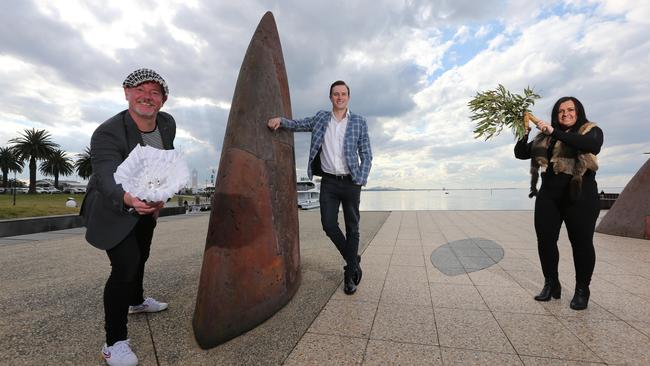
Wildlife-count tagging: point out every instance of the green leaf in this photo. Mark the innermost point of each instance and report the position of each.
(497, 109)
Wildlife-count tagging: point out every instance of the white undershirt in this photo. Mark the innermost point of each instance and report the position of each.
(333, 157)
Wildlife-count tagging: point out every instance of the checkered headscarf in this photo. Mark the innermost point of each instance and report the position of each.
(141, 76)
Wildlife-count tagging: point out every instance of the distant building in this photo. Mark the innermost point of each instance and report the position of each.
(195, 179)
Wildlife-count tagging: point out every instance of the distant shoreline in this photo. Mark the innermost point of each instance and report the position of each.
(389, 189)
(435, 189)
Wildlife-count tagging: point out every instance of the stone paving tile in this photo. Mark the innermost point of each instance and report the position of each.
(529, 253)
(604, 268)
(405, 306)
(539, 361)
(635, 284)
(510, 299)
(598, 284)
(462, 357)
(470, 329)
(643, 327)
(560, 308)
(405, 323)
(531, 281)
(373, 271)
(393, 353)
(408, 243)
(375, 259)
(623, 305)
(510, 263)
(453, 235)
(456, 296)
(407, 274)
(409, 250)
(543, 336)
(408, 235)
(469, 251)
(436, 276)
(380, 250)
(433, 239)
(412, 293)
(369, 290)
(613, 341)
(382, 242)
(408, 260)
(322, 349)
(492, 277)
(345, 318)
(474, 264)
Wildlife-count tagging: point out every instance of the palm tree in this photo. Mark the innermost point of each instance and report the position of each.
(9, 162)
(33, 145)
(83, 165)
(57, 164)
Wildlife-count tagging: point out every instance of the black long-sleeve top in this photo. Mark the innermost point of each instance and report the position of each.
(591, 142)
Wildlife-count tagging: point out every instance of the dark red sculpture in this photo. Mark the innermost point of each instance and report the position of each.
(630, 214)
(251, 264)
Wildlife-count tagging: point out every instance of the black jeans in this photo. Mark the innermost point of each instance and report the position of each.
(554, 206)
(335, 192)
(124, 285)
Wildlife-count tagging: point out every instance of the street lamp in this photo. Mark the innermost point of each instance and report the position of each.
(14, 184)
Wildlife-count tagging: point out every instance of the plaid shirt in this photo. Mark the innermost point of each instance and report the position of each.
(356, 144)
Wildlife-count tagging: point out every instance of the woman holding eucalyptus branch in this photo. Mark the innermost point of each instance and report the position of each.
(566, 151)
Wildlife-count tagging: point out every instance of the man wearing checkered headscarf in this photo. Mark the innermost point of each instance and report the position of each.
(115, 220)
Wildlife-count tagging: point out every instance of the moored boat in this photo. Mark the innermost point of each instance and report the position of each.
(308, 194)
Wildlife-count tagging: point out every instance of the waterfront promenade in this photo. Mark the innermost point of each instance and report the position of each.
(406, 311)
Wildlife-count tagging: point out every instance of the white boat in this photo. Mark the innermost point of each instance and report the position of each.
(308, 194)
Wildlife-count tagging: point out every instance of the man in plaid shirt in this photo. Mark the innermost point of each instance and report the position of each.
(339, 153)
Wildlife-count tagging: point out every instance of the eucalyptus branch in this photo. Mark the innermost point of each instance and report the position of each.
(494, 110)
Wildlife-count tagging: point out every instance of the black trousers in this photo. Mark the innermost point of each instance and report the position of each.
(554, 206)
(124, 285)
(336, 192)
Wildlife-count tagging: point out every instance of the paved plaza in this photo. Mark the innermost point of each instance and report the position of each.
(438, 288)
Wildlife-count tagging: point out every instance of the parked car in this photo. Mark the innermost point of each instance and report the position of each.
(50, 190)
(75, 190)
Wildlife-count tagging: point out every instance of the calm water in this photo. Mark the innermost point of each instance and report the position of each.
(461, 199)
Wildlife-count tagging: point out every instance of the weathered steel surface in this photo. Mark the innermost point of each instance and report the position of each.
(627, 217)
(251, 263)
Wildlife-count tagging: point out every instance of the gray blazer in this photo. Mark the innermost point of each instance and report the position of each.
(107, 221)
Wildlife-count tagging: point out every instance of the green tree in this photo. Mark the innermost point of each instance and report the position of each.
(83, 165)
(33, 145)
(57, 164)
(9, 162)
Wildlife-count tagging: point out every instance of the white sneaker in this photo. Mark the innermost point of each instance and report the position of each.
(119, 354)
(150, 305)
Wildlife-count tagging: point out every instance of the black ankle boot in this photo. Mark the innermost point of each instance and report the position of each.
(551, 288)
(580, 298)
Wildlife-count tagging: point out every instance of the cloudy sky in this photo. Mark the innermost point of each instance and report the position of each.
(412, 67)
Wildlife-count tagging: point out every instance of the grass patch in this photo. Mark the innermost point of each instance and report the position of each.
(33, 205)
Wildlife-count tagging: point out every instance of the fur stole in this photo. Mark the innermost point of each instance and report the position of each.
(565, 159)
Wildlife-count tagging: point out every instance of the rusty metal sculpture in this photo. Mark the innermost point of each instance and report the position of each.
(630, 214)
(251, 263)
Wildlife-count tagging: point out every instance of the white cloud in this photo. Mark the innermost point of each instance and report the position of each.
(63, 63)
(483, 31)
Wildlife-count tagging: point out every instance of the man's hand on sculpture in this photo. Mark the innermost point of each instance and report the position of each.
(274, 123)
